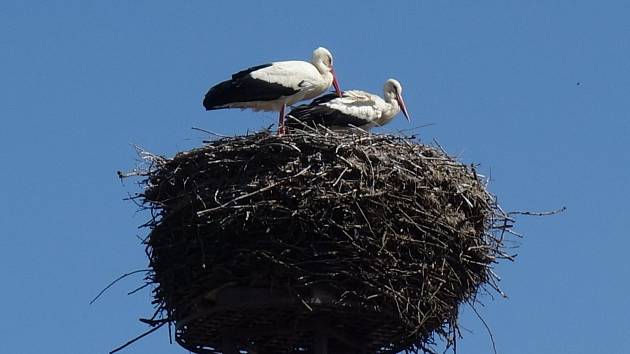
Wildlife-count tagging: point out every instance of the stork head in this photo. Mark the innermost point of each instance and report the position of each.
(393, 92)
(323, 61)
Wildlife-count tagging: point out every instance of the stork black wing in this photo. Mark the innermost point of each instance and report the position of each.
(323, 99)
(316, 113)
(248, 71)
(244, 88)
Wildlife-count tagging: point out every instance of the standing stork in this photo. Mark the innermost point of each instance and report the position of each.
(273, 86)
(354, 108)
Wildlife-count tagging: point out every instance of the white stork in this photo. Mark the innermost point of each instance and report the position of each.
(273, 86)
(353, 109)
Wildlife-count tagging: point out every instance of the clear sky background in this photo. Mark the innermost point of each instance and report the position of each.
(80, 81)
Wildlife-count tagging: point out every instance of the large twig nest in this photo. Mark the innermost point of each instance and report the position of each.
(267, 242)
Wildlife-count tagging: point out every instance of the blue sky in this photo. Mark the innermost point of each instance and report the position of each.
(81, 81)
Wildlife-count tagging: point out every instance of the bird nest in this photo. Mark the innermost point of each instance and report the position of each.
(272, 244)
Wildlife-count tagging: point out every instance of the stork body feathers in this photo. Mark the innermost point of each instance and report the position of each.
(273, 86)
(354, 109)
(268, 87)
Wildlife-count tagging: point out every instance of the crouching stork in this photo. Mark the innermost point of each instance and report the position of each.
(273, 86)
(354, 109)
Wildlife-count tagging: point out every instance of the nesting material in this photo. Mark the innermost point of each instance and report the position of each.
(270, 244)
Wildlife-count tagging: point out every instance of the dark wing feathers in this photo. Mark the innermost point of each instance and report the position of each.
(316, 113)
(323, 99)
(244, 88)
(248, 71)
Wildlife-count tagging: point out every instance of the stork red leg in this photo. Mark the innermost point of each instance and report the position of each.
(281, 128)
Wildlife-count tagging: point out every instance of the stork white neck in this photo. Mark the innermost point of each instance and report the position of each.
(322, 60)
(392, 94)
(393, 107)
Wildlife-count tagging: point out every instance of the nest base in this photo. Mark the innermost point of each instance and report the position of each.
(264, 321)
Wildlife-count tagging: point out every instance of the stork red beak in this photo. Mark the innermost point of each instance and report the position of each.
(403, 107)
(335, 83)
